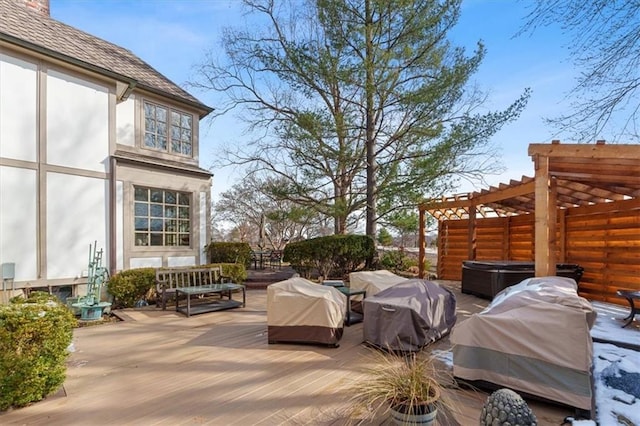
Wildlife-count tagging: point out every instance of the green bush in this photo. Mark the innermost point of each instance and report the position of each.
(127, 287)
(236, 272)
(34, 336)
(397, 261)
(222, 252)
(334, 255)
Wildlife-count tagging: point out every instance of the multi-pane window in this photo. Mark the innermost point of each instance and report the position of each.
(168, 130)
(161, 218)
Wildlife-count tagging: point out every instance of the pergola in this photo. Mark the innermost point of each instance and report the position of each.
(566, 176)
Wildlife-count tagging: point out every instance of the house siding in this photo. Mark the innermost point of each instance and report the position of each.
(77, 129)
(18, 85)
(76, 216)
(19, 221)
(125, 122)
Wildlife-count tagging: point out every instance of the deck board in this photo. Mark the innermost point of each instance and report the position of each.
(161, 368)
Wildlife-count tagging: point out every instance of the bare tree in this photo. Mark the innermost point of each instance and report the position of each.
(605, 45)
(247, 205)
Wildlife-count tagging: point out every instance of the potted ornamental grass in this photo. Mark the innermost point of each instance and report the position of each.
(406, 386)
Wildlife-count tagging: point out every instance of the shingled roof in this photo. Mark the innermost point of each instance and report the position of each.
(27, 28)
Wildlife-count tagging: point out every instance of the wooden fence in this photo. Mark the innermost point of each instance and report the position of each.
(604, 239)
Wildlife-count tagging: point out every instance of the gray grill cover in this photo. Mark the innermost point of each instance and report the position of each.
(409, 315)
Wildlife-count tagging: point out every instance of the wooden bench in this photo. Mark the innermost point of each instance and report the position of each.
(168, 279)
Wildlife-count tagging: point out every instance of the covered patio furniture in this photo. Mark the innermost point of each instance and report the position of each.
(371, 282)
(533, 338)
(300, 311)
(374, 281)
(409, 315)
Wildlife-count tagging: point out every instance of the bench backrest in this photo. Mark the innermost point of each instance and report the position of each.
(171, 278)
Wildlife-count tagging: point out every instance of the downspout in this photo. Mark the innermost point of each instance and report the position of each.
(112, 217)
(123, 90)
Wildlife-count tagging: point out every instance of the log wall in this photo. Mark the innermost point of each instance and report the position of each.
(604, 239)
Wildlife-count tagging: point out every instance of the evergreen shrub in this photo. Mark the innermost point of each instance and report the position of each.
(224, 252)
(331, 256)
(397, 261)
(129, 286)
(35, 334)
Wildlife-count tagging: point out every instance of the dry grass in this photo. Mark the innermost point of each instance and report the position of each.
(408, 380)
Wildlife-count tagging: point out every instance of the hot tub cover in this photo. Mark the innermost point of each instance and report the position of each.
(533, 337)
(301, 311)
(409, 315)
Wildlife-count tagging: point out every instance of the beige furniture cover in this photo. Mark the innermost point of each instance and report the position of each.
(301, 311)
(534, 338)
(373, 281)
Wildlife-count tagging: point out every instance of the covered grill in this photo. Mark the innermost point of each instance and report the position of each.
(409, 315)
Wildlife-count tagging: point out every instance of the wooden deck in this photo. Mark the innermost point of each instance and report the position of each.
(161, 368)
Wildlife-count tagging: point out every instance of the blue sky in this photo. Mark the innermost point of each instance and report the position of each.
(173, 35)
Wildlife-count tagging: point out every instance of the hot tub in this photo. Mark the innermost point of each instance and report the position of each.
(487, 278)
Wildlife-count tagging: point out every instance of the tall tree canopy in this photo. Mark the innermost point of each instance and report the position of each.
(605, 46)
(360, 104)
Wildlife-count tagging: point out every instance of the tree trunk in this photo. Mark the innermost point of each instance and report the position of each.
(372, 166)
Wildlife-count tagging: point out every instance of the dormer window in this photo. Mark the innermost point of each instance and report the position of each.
(167, 129)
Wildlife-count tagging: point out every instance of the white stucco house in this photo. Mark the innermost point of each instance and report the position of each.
(95, 145)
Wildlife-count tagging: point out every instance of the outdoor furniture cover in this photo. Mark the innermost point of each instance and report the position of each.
(300, 311)
(408, 315)
(372, 282)
(534, 338)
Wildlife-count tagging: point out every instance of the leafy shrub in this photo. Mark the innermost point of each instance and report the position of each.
(334, 255)
(398, 261)
(222, 252)
(34, 336)
(127, 287)
(236, 272)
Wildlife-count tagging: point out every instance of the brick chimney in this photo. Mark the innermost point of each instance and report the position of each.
(41, 6)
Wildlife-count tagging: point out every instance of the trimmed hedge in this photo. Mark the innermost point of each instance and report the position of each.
(34, 336)
(334, 255)
(127, 287)
(236, 272)
(222, 252)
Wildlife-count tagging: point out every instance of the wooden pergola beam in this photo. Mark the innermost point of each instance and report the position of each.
(596, 151)
(543, 225)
